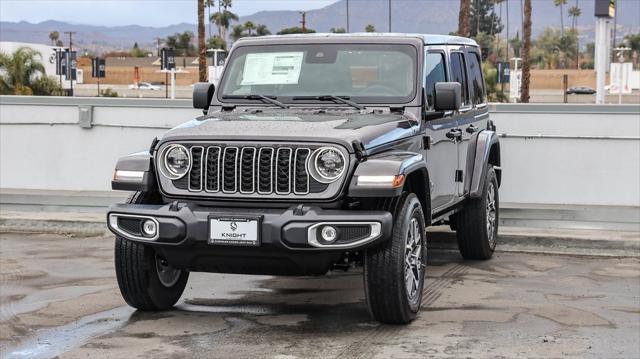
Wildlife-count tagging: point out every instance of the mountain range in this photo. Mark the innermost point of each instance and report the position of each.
(421, 16)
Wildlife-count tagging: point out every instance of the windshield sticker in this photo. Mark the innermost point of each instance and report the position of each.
(274, 68)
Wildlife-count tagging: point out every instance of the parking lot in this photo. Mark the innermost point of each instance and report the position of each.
(60, 297)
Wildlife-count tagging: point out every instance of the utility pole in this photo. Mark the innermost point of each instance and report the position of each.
(304, 20)
(347, 15)
(159, 40)
(389, 15)
(69, 68)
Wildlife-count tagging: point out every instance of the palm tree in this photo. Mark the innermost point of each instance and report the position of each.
(463, 18)
(202, 50)
(223, 18)
(574, 13)
(249, 26)
(20, 70)
(54, 36)
(526, 53)
(561, 3)
(237, 32)
(261, 30)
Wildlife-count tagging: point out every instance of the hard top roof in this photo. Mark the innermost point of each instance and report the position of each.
(427, 39)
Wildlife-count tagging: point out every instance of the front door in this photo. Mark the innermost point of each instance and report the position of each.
(442, 157)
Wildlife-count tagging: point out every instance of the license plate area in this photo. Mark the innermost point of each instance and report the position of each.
(234, 231)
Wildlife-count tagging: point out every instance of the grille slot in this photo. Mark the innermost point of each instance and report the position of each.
(195, 175)
(212, 173)
(230, 169)
(259, 170)
(283, 170)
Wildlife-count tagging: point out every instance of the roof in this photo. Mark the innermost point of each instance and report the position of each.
(427, 39)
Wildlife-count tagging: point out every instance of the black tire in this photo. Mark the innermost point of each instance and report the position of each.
(384, 267)
(477, 237)
(137, 267)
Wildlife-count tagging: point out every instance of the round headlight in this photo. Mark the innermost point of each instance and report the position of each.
(176, 162)
(328, 164)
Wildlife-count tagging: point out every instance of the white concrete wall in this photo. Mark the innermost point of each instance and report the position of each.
(580, 155)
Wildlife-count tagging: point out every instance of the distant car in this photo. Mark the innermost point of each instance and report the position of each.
(144, 86)
(581, 90)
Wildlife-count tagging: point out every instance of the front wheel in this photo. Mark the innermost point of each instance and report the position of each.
(146, 280)
(394, 271)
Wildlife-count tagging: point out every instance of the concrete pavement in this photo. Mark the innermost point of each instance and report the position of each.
(59, 297)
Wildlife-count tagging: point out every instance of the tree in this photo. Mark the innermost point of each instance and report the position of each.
(249, 26)
(338, 30)
(262, 30)
(561, 3)
(516, 44)
(463, 18)
(370, 28)
(574, 13)
(295, 30)
(59, 43)
(137, 52)
(223, 18)
(202, 50)
(216, 42)
(22, 73)
(483, 18)
(526, 51)
(182, 43)
(54, 36)
(632, 41)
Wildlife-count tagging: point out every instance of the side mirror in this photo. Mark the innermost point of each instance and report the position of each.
(448, 96)
(202, 95)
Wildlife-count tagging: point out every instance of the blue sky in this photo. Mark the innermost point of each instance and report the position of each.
(129, 12)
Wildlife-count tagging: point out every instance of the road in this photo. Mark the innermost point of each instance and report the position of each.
(59, 298)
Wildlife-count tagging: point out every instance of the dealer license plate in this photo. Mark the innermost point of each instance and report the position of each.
(234, 231)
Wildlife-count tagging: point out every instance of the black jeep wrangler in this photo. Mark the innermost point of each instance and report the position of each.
(315, 153)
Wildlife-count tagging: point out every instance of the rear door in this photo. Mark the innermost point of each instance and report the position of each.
(476, 118)
(442, 157)
(465, 115)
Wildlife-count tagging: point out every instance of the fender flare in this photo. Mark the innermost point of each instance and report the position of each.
(478, 159)
(140, 163)
(391, 163)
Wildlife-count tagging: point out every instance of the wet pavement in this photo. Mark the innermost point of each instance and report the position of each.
(59, 297)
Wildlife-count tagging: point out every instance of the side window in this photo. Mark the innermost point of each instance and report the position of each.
(475, 76)
(434, 72)
(458, 75)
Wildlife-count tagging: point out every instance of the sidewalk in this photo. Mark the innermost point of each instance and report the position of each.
(511, 239)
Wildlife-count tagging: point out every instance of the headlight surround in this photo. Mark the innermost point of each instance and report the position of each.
(327, 164)
(175, 161)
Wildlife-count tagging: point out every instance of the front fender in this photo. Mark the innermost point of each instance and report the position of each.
(393, 163)
(134, 172)
(478, 159)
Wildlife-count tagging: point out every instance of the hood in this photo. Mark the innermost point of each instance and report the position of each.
(371, 129)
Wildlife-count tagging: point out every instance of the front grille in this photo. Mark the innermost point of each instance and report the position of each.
(268, 170)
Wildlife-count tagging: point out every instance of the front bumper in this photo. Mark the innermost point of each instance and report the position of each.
(288, 241)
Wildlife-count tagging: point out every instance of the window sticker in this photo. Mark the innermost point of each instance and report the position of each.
(273, 68)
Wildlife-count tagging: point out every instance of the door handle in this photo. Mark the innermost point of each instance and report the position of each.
(454, 134)
(471, 129)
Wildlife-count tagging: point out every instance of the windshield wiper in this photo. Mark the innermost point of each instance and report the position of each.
(341, 99)
(269, 99)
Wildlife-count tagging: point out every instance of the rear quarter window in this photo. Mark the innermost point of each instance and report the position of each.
(475, 77)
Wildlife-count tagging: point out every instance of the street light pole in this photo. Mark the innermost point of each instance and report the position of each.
(69, 63)
(389, 15)
(347, 15)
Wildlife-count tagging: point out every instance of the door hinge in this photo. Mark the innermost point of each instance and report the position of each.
(459, 175)
(426, 142)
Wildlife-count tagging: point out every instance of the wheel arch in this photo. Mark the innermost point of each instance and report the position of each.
(483, 151)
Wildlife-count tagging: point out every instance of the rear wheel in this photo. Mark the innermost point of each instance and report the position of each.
(394, 271)
(477, 223)
(146, 280)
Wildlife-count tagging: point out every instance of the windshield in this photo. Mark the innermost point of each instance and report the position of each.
(364, 73)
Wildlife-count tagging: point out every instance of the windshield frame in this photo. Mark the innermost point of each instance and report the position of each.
(241, 49)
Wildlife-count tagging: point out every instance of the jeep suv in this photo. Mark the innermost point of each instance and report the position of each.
(316, 153)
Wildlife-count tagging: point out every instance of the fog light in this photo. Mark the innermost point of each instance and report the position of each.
(329, 234)
(149, 228)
